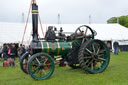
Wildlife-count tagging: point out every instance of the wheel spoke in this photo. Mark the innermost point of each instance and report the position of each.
(87, 57)
(86, 61)
(95, 62)
(44, 71)
(86, 31)
(89, 51)
(101, 55)
(45, 60)
(90, 62)
(80, 31)
(86, 53)
(101, 51)
(35, 71)
(37, 60)
(93, 47)
(98, 50)
(42, 59)
(102, 59)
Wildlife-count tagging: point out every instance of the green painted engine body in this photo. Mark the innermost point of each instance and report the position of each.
(53, 48)
(56, 48)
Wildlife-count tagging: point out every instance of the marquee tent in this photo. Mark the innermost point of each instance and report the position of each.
(13, 32)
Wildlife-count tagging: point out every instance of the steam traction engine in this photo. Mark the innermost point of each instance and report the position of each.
(80, 49)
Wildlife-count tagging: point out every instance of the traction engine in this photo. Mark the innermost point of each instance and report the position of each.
(79, 50)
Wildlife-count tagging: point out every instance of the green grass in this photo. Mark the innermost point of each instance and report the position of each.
(115, 74)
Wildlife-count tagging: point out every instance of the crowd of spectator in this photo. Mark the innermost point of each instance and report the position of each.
(11, 51)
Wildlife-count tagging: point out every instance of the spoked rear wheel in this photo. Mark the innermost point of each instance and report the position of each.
(94, 56)
(40, 66)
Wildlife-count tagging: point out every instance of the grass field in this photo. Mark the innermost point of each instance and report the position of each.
(115, 74)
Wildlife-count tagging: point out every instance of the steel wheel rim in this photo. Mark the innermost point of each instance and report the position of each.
(23, 63)
(41, 67)
(87, 28)
(96, 56)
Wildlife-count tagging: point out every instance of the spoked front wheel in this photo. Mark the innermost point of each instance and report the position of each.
(40, 66)
(94, 56)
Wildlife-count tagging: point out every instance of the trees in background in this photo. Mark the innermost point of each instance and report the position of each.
(122, 20)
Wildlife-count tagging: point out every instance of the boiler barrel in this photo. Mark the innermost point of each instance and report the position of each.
(56, 48)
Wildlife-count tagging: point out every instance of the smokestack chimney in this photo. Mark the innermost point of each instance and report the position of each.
(35, 20)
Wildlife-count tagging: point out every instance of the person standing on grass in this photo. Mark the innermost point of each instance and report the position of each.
(12, 55)
(116, 48)
(13, 52)
(21, 51)
(24, 49)
(5, 51)
(0, 52)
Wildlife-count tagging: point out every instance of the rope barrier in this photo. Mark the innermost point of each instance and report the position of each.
(41, 25)
(26, 21)
(30, 37)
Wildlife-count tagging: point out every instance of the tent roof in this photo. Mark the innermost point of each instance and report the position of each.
(13, 32)
(110, 31)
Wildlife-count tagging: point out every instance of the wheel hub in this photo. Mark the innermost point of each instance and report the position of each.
(41, 66)
(94, 56)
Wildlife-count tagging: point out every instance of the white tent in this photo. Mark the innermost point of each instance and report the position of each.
(104, 31)
(13, 32)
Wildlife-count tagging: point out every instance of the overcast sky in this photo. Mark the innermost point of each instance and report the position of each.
(71, 11)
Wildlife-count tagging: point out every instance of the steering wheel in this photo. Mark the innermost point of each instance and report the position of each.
(85, 31)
